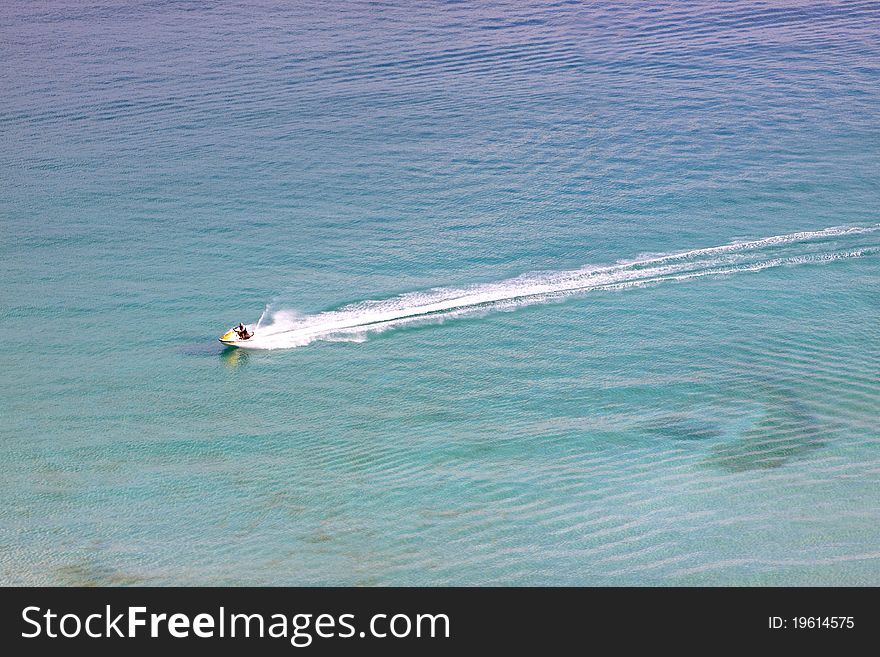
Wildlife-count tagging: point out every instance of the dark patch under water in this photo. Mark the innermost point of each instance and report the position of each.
(90, 573)
(786, 432)
(678, 427)
(206, 348)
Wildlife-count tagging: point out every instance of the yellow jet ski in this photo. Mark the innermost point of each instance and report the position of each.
(237, 336)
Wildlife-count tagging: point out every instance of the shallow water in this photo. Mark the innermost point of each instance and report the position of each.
(581, 403)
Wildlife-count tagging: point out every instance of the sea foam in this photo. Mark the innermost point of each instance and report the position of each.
(286, 328)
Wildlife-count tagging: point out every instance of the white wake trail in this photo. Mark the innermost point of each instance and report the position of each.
(354, 321)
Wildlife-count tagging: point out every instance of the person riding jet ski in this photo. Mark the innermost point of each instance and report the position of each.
(242, 332)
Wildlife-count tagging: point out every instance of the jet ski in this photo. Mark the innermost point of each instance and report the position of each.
(238, 336)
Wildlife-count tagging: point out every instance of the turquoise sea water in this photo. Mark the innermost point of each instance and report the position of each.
(566, 416)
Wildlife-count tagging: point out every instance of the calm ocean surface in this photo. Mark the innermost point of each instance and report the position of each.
(563, 416)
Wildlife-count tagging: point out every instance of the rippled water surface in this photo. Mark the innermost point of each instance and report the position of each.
(547, 293)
